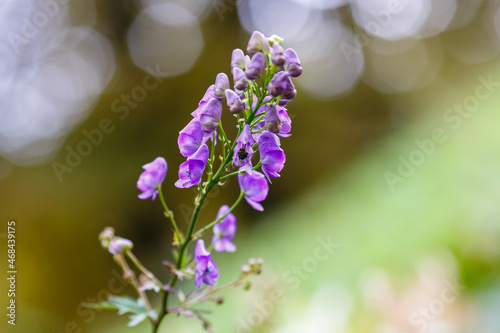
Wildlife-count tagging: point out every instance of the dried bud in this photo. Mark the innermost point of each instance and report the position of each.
(292, 63)
(277, 55)
(256, 66)
(221, 84)
(258, 42)
(219, 300)
(238, 59)
(234, 103)
(106, 236)
(119, 245)
(273, 121)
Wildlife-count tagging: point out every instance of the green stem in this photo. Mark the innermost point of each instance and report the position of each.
(143, 269)
(211, 224)
(170, 215)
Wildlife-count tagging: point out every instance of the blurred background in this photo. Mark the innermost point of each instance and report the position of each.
(386, 218)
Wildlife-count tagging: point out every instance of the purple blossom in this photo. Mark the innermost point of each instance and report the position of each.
(206, 269)
(119, 245)
(210, 93)
(191, 171)
(277, 54)
(190, 138)
(282, 85)
(234, 102)
(286, 123)
(243, 151)
(221, 84)
(239, 78)
(258, 42)
(152, 177)
(292, 63)
(210, 115)
(224, 231)
(256, 66)
(271, 155)
(272, 119)
(238, 59)
(255, 187)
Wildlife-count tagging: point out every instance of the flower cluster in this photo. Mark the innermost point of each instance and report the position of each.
(257, 97)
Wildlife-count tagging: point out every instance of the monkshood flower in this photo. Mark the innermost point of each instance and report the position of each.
(190, 138)
(206, 269)
(238, 59)
(191, 171)
(292, 63)
(234, 102)
(272, 156)
(239, 78)
(152, 177)
(282, 85)
(210, 115)
(224, 231)
(210, 93)
(243, 151)
(221, 84)
(256, 66)
(277, 55)
(119, 245)
(255, 188)
(272, 119)
(286, 123)
(258, 42)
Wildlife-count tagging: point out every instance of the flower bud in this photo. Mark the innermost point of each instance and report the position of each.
(119, 245)
(277, 55)
(234, 103)
(272, 118)
(210, 115)
(258, 42)
(221, 84)
(290, 95)
(239, 78)
(219, 300)
(106, 236)
(256, 66)
(292, 63)
(281, 84)
(238, 59)
(275, 39)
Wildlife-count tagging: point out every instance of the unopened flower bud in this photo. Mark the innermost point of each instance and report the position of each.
(221, 84)
(256, 66)
(119, 245)
(292, 63)
(290, 94)
(234, 103)
(275, 39)
(247, 285)
(210, 115)
(281, 84)
(219, 300)
(238, 59)
(239, 78)
(106, 236)
(273, 121)
(278, 55)
(245, 269)
(258, 42)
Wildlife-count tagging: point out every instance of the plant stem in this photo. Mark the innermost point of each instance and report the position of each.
(143, 269)
(169, 214)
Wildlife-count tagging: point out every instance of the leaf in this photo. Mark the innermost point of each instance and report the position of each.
(136, 319)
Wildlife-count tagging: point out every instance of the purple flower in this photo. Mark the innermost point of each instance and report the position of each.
(272, 119)
(152, 177)
(234, 102)
(256, 66)
(119, 245)
(271, 155)
(221, 84)
(292, 63)
(210, 93)
(191, 171)
(210, 115)
(224, 231)
(286, 122)
(255, 187)
(281, 85)
(257, 42)
(243, 151)
(238, 59)
(277, 54)
(206, 269)
(239, 78)
(190, 138)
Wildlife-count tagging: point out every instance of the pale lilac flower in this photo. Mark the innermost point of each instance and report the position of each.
(210, 93)
(119, 245)
(258, 42)
(238, 59)
(224, 231)
(292, 63)
(272, 119)
(234, 102)
(152, 177)
(277, 54)
(206, 269)
(243, 151)
(190, 138)
(239, 79)
(271, 155)
(255, 187)
(221, 84)
(191, 171)
(281, 85)
(210, 115)
(256, 66)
